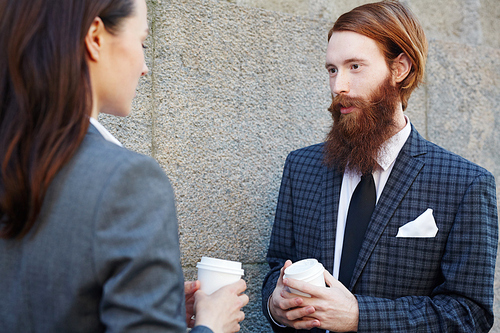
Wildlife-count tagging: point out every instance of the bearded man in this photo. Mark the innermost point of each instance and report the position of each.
(406, 231)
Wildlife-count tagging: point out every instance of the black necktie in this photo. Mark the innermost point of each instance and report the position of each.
(359, 214)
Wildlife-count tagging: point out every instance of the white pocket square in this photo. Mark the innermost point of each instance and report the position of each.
(422, 226)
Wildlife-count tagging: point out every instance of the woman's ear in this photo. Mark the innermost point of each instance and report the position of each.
(402, 67)
(94, 39)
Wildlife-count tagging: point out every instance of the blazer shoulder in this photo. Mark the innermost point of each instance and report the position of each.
(97, 161)
(311, 155)
(440, 156)
(436, 158)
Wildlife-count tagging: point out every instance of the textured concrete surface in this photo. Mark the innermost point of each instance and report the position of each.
(463, 21)
(229, 105)
(463, 105)
(232, 89)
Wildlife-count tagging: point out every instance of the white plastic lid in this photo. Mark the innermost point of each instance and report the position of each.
(304, 270)
(220, 265)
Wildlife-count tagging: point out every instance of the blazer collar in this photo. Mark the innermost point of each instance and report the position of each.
(104, 132)
(331, 184)
(93, 130)
(416, 145)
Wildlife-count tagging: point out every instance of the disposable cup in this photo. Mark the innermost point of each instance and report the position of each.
(307, 270)
(216, 273)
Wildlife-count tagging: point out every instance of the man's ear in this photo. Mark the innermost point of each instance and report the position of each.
(402, 66)
(94, 39)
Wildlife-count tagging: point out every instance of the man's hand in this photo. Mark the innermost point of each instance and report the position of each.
(289, 309)
(336, 308)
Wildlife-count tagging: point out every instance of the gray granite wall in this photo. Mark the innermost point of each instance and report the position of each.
(235, 85)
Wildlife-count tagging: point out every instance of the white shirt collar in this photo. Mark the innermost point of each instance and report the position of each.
(390, 149)
(104, 132)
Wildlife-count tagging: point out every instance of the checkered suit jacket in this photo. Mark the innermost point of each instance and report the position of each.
(440, 284)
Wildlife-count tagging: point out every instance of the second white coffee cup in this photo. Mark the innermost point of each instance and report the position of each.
(216, 273)
(307, 270)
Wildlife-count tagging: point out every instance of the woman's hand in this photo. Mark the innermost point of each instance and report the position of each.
(190, 287)
(221, 311)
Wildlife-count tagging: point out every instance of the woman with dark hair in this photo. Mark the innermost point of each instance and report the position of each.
(88, 229)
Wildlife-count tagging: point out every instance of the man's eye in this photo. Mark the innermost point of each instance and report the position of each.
(355, 66)
(332, 70)
(144, 46)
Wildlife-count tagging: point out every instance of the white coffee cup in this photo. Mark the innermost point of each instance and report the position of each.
(307, 270)
(216, 273)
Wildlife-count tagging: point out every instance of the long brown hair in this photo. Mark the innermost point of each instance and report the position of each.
(45, 96)
(396, 30)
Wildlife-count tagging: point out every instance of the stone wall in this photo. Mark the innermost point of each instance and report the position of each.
(235, 85)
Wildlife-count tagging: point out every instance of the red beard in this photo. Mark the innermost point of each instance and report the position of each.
(355, 138)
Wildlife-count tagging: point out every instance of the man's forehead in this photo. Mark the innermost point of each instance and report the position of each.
(347, 46)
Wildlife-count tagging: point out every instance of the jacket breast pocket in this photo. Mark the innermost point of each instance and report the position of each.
(409, 263)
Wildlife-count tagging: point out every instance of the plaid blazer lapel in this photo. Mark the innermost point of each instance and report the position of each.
(330, 192)
(405, 170)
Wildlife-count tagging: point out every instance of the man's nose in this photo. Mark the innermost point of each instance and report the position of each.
(340, 84)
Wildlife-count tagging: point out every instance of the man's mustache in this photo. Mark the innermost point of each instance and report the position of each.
(344, 101)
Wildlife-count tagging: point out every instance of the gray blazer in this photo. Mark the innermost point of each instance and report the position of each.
(104, 253)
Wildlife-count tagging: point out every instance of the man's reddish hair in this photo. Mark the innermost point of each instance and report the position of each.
(396, 30)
